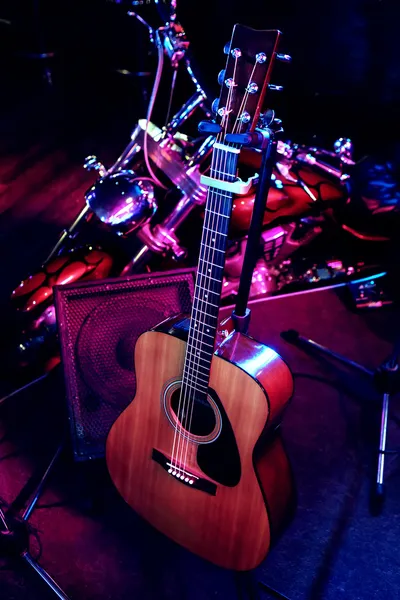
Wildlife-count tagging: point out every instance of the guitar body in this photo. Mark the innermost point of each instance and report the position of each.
(239, 487)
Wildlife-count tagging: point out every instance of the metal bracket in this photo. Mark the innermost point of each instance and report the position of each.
(238, 186)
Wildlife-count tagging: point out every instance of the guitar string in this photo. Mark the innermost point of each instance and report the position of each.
(214, 222)
(201, 323)
(212, 195)
(226, 156)
(193, 338)
(179, 432)
(211, 215)
(187, 392)
(225, 117)
(239, 123)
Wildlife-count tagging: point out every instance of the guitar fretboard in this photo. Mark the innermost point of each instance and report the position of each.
(207, 295)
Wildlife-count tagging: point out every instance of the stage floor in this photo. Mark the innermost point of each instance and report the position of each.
(93, 544)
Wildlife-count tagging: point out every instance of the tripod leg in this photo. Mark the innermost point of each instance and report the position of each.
(379, 491)
(293, 337)
(246, 586)
(274, 593)
(24, 387)
(44, 575)
(39, 490)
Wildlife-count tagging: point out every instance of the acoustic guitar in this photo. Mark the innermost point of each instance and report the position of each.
(197, 453)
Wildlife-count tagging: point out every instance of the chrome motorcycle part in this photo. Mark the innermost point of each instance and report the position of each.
(174, 42)
(309, 159)
(286, 58)
(168, 159)
(264, 282)
(122, 198)
(344, 148)
(162, 238)
(275, 88)
(272, 242)
(92, 163)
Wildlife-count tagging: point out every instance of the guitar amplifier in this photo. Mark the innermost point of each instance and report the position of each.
(99, 323)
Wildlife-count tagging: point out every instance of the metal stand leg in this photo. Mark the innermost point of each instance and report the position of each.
(39, 490)
(378, 491)
(14, 533)
(274, 593)
(293, 337)
(24, 387)
(386, 380)
(248, 587)
(382, 442)
(44, 575)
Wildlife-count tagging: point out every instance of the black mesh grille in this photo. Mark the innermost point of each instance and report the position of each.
(99, 323)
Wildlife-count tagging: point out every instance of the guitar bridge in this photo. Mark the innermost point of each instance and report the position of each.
(182, 475)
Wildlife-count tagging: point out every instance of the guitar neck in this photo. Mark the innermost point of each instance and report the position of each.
(207, 294)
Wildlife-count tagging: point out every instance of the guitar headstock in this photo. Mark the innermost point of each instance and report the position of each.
(246, 78)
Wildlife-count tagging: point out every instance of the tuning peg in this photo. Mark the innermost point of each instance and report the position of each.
(284, 58)
(209, 127)
(214, 105)
(266, 119)
(221, 76)
(275, 88)
(227, 48)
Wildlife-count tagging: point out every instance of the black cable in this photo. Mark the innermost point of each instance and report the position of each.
(171, 96)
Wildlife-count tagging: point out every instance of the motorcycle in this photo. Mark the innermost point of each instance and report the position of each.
(143, 212)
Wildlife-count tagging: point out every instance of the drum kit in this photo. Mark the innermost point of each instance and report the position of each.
(151, 201)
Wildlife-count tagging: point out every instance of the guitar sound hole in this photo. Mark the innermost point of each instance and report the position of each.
(203, 419)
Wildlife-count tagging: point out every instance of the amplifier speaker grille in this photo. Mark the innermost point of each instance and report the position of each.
(99, 323)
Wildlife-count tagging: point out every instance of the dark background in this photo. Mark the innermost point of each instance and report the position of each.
(344, 79)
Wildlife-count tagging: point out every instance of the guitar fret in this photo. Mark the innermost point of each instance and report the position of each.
(204, 355)
(206, 302)
(212, 248)
(203, 332)
(216, 232)
(198, 374)
(192, 386)
(209, 277)
(197, 353)
(204, 313)
(216, 213)
(206, 290)
(210, 263)
(191, 371)
(205, 343)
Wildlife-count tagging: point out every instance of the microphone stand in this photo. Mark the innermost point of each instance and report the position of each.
(265, 140)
